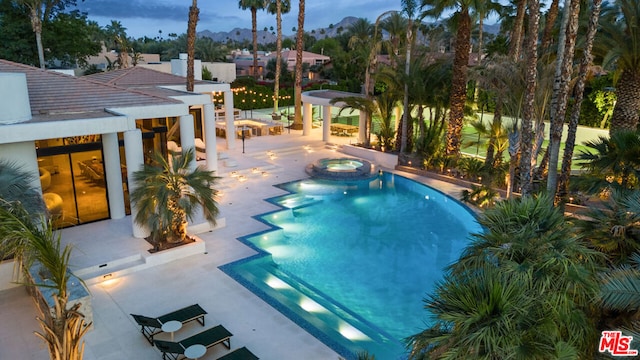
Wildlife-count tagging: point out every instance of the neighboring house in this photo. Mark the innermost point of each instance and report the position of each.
(312, 59)
(244, 63)
(102, 60)
(84, 137)
(220, 71)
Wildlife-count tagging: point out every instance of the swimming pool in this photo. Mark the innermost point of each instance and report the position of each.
(351, 262)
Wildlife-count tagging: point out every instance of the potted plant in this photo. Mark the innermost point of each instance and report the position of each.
(168, 195)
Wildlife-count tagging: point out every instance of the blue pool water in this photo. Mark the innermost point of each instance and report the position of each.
(352, 261)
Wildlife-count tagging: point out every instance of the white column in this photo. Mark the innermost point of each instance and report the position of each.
(307, 114)
(113, 175)
(398, 112)
(135, 161)
(326, 122)
(210, 137)
(362, 122)
(228, 115)
(187, 137)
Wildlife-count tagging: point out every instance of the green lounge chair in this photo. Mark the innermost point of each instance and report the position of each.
(208, 338)
(239, 354)
(152, 326)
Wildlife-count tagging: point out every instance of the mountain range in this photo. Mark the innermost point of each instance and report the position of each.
(266, 37)
(269, 37)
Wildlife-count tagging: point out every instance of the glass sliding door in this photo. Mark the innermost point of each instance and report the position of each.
(73, 184)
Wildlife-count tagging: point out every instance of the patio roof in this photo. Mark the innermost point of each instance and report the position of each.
(324, 97)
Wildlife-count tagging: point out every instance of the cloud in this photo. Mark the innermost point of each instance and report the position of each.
(125, 9)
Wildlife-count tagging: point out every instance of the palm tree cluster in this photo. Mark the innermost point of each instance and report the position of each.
(535, 285)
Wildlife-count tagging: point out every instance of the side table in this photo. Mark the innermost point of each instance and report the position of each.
(171, 327)
(194, 351)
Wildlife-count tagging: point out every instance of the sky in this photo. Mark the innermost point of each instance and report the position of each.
(148, 17)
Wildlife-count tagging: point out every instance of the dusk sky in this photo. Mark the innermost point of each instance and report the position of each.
(146, 18)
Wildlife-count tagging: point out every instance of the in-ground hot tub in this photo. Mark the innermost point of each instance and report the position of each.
(341, 169)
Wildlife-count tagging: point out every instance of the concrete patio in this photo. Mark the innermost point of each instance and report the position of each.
(139, 286)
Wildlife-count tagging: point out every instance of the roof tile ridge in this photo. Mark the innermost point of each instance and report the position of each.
(124, 73)
(116, 87)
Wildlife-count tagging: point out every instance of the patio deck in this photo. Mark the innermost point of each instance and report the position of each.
(158, 289)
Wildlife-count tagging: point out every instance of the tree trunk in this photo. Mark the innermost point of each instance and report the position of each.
(564, 67)
(526, 133)
(480, 31)
(254, 33)
(405, 101)
(276, 82)
(459, 83)
(497, 123)
(550, 20)
(36, 25)
(625, 113)
(297, 122)
(517, 31)
(191, 43)
(563, 181)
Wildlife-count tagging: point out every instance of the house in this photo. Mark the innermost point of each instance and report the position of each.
(84, 137)
(106, 58)
(309, 58)
(220, 71)
(244, 63)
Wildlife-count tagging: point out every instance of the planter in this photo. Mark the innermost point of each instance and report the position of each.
(43, 296)
(276, 117)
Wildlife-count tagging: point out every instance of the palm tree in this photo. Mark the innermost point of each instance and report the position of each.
(503, 79)
(16, 185)
(191, 43)
(612, 162)
(614, 229)
(381, 106)
(409, 7)
(526, 260)
(526, 132)
(373, 44)
(620, 46)
(254, 6)
(297, 122)
(39, 12)
(395, 25)
(278, 7)
(480, 315)
(563, 181)
(34, 243)
(168, 194)
(620, 290)
(517, 31)
(482, 10)
(549, 23)
(560, 97)
(460, 62)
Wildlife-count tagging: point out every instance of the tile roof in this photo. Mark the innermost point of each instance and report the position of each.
(140, 77)
(55, 93)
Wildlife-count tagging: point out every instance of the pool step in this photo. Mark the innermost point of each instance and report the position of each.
(297, 201)
(305, 304)
(283, 152)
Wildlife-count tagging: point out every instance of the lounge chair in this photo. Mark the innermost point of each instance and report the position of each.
(239, 354)
(208, 338)
(152, 326)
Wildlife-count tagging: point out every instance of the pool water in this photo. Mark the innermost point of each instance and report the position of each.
(352, 261)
